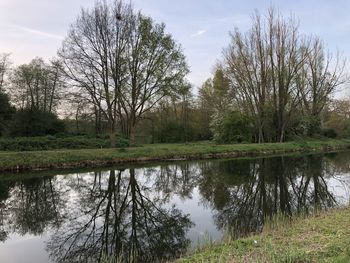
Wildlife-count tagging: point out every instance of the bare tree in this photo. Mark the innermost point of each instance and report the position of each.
(264, 66)
(124, 61)
(321, 75)
(287, 54)
(249, 70)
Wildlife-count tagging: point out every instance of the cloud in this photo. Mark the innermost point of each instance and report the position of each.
(199, 33)
(37, 32)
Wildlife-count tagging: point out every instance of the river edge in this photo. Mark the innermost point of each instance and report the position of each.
(95, 158)
(320, 237)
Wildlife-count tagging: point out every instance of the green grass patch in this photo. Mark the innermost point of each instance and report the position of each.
(32, 160)
(324, 237)
(53, 143)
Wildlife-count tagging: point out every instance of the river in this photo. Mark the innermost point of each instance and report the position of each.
(157, 212)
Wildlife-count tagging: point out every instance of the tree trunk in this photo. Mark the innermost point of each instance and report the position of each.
(132, 131)
(112, 134)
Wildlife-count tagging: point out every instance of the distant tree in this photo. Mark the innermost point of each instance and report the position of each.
(216, 93)
(37, 85)
(5, 64)
(214, 97)
(337, 118)
(125, 62)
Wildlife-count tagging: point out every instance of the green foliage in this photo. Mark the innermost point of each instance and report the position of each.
(308, 126)
(339, 122)
(329, 133)
(231, 127)
(6, 112)
(57, 142)
(176, 131)
(172, 131)
(29, 123)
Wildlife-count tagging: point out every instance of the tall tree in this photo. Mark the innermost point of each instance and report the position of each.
(125, 62)
(263, 66)
(248, 67)
(287, 52)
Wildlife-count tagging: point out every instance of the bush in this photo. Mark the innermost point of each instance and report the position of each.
(308, 126)
(175, 131)
(6, 112)
(54, 143)
(231, 127)
(329, 133)
(30, 123)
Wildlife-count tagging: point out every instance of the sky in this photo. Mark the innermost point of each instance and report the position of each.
(31, 28)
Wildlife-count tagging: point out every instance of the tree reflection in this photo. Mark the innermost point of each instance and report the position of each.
(174, 179)
(30, 206)
(246, 192)
(4, 195)
(119, 217)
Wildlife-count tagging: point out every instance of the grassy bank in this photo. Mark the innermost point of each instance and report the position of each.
(320, 238)
(16, 161)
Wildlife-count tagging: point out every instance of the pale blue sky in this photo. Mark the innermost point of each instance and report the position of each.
(30, 28)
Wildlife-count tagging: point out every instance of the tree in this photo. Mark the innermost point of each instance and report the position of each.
(263, 65)
(37, 85)
(319, 79)
(274, 69)
(123, 61)
(337, 118)
(246, 60)
(5, 64)
(216, 93)
(214, 98)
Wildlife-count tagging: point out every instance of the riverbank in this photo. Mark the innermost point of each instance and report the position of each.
(64, 159)
(324, 237)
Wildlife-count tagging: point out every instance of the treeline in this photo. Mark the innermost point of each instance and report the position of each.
(119, 73)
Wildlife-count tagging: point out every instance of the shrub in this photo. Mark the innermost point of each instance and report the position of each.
(6, 112)
(30, 123)
(231, 127)
(308, 126)
(329, 133)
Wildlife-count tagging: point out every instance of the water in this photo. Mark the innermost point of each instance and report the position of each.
(158, 212)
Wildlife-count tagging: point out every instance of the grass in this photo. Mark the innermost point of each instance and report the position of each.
(33, 160)
(324, 237)
(56, 142)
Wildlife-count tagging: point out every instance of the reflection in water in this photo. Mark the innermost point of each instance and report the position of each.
(31, 206)
(275, 185)
(140, 215)
(118, 216)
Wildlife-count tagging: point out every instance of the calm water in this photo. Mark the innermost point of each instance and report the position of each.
(149, 214)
